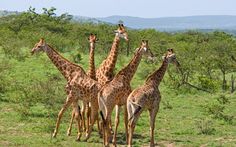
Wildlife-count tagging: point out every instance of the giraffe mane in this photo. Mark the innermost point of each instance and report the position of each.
(64, 57)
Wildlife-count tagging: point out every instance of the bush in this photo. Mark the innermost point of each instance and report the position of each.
(217, 109)
(205, 127)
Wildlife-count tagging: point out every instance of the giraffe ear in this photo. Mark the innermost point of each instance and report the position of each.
(170, 50)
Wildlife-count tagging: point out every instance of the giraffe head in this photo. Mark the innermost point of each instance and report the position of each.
(145, 48)
(170, 57)
(121, 32)
(40, 46)
(93, 38)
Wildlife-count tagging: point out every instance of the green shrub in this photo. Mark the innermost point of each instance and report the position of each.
(205, 126)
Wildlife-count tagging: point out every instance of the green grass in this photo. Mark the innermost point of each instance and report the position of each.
(177, 125)
(28, 120)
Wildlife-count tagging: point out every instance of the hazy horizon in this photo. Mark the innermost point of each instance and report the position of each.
(133, 8)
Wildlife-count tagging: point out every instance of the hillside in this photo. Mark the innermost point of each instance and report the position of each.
(222, 22)
(203, 23)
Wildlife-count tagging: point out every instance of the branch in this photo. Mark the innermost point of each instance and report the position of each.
(198, 88)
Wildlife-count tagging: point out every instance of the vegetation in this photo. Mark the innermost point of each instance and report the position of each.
(198, 103)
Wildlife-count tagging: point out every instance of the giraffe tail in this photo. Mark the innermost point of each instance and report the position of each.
(102, 108)
(79, 111)
(136, 111)
(103, 119)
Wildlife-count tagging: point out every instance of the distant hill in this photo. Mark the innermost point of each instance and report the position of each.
(221, 22)
(204, 23)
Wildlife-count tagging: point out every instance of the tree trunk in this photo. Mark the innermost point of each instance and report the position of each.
(224, 82)
(232, 84)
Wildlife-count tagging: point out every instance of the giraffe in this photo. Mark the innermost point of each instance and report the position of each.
(79, 86)
(116, 92)
(105, 71)
(67, 69)
(148, 97)
(92, 74)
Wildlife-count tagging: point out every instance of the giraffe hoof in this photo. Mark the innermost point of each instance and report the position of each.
(77, 139)
(68, 133)
(114, 144)
(54, 135)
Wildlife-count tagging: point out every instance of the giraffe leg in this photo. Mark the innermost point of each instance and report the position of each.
(126, 123)
(131, 128)
(132, 122)
(65, 106)
(117, 121)
(152, 114)
(78, 117)
(107, 130)
(88, 113)
(83, 115)
(71, 122)
(94, 114)
(99, 126)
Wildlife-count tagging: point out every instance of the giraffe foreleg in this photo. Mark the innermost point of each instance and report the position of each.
(65, 106)
(71, 122)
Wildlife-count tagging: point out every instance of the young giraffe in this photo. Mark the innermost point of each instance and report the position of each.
(92, 74)
(116, 93)
(80, 86)
(148, 97)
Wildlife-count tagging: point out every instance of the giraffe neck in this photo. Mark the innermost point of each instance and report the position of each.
(157, 76)
(91, 72)
(63, 65)
(109, 63)
(129, 70)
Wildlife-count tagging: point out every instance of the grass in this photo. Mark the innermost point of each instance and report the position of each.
(183, 119)
(177, 126)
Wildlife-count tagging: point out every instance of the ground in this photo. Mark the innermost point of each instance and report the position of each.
(183, 120)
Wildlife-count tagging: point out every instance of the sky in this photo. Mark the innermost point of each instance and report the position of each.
(136, 8)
